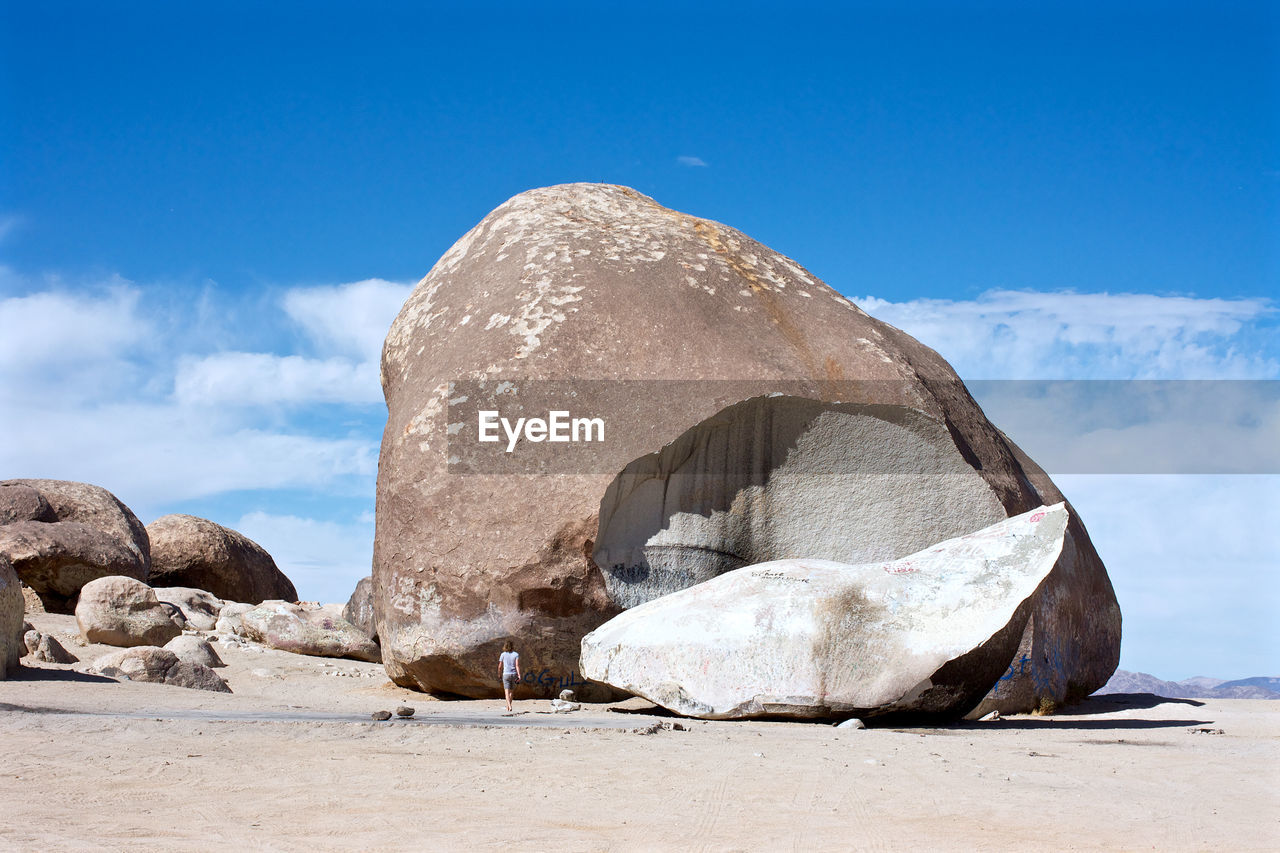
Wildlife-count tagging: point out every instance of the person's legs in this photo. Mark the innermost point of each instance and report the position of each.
(506, 687)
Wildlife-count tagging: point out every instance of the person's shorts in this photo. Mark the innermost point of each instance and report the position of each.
(510, 680)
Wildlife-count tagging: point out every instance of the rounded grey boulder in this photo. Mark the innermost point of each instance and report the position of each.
(193, 649)
(121, 611)
(187, 551)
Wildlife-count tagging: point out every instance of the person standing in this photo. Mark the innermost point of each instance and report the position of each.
(510, 663)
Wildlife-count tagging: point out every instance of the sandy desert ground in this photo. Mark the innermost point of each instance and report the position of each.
(292, 761)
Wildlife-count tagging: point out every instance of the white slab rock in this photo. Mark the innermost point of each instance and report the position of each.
(927, 634)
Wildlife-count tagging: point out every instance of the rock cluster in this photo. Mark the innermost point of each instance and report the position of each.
(751, 413)
(158, 666)
(292, 628)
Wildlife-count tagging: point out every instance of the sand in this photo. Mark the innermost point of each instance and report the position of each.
(291, 761)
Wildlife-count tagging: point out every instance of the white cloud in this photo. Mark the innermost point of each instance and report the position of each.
(349, 319)
(688, 160)
(8, 224)
(110, 390)
(263, 379)
(324, 559)
(54, 329)
(1005, 334)
(1140, 427)
(347, 323)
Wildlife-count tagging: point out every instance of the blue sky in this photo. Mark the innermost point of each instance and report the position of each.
(210, 214)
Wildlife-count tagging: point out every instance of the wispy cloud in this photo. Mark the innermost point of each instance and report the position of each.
(8, 224)
(689, 160)
(1010, 334)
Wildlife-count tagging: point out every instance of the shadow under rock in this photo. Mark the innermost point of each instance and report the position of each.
(37, 673)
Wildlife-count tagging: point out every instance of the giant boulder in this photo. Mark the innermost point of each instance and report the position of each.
(121, 611)
(926, 635)
(187, 551)
(59, 535)
(750, 413)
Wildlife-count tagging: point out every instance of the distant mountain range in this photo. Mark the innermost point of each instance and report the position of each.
(1200, 687)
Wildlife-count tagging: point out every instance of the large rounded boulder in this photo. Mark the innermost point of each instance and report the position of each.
(121, 611)
(718, 406)
(59, 535)
(187, 551)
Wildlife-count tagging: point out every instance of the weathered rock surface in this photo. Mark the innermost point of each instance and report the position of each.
(199, 608)
(666, 327)
(59, 535)
(779, 476)
(159, 666)
(231, 618)
(195, 552)
(291, 628)
(359, 610)
(193, 649)
(924, 635)
(12, 647)
(121, 611)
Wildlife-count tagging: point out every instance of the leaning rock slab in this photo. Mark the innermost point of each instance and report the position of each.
(59, 535)
(195, 552)
(158, 666)
(666, 324)
(290, 628)
(359, 609)
(928, 634)
(49, 650)
(121, 611)
(12, 644)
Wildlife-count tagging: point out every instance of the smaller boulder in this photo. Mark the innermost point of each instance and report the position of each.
(381, 716)
(359, 609)
(31, 639)
(404, 711)
(121, 611)
(193, 649)
(291, 628)
(198, 607)
(158, 666)
(195, 676)
(49, 650)
(231, 618)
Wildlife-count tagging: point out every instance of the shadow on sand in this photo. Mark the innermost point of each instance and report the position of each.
(38, 673)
